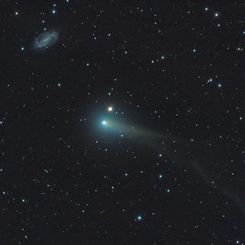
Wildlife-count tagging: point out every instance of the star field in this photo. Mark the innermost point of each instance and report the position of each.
(128, 128)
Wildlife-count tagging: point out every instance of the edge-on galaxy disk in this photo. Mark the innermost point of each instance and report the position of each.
(45, 40)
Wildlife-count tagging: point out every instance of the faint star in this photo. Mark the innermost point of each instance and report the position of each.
(216, 15)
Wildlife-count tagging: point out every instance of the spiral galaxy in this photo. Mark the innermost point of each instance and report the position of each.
(45, 40)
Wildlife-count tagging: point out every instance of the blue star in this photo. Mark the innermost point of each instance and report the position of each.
(139, 218)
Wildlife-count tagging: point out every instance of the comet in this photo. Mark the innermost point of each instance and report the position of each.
(182, 151)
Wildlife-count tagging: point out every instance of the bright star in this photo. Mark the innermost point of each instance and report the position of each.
(110, 109)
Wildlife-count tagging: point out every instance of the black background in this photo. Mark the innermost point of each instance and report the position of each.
(66, 180)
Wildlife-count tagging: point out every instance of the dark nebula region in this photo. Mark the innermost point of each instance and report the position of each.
(122, 122)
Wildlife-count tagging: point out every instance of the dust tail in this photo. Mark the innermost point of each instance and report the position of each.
(226, 190)
(208, 164)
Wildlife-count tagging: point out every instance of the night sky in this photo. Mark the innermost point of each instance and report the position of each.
(122, 122)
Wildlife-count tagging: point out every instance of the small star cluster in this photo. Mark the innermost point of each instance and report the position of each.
(169, 72)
